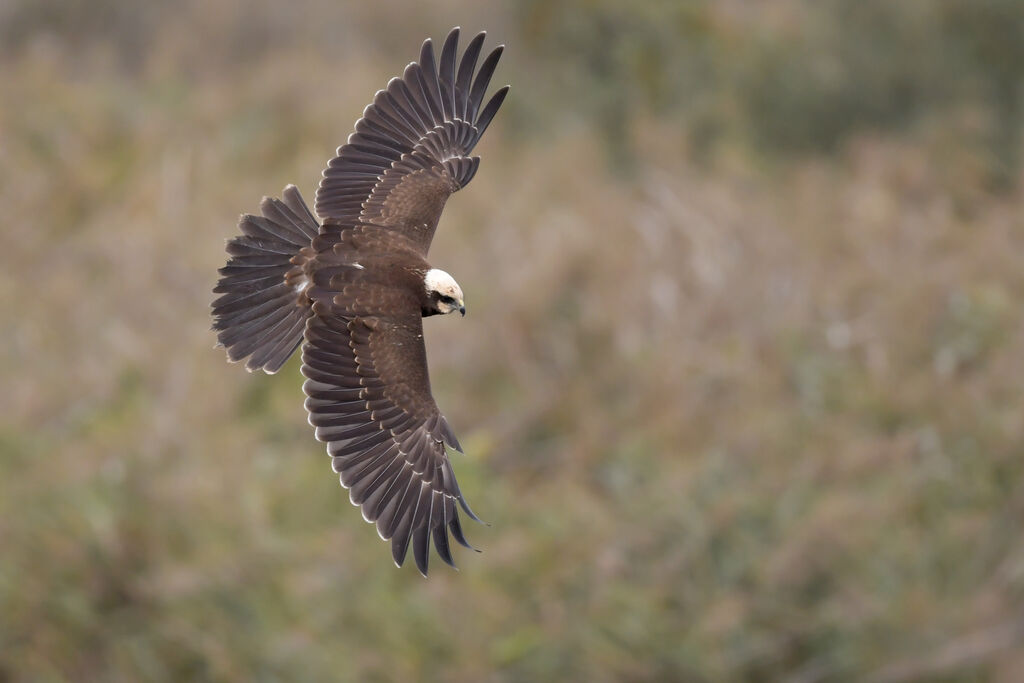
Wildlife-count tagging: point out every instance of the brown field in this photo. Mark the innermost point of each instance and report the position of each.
(741, 386)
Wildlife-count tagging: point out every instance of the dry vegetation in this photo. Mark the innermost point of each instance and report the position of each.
(735, 412)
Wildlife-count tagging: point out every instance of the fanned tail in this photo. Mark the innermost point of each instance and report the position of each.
(262, 311)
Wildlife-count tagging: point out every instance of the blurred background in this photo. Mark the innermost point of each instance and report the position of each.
(741, 386)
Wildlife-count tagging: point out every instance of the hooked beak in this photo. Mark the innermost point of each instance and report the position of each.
(462, 309)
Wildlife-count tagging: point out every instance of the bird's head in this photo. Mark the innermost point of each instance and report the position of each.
(443, 293)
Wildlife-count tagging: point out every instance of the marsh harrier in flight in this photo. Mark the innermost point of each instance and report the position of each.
(351, 285)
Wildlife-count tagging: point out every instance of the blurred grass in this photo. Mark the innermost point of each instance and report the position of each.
(740, 388)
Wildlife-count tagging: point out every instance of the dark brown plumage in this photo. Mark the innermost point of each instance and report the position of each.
(353, 289)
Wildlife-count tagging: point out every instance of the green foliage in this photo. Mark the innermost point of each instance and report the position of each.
(791, 76)
(750, 411)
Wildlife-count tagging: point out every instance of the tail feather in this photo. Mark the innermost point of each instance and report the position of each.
(262, 308)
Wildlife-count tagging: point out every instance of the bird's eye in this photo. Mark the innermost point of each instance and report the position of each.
(447, 299)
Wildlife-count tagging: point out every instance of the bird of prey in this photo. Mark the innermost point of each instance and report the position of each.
(353, 286)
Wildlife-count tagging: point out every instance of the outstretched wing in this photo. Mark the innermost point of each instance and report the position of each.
(410, 151)
(368, 395)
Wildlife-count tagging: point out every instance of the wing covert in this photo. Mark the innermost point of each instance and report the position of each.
(410, 150)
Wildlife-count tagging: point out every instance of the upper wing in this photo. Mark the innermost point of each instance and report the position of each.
(409, 152)
(369, 399)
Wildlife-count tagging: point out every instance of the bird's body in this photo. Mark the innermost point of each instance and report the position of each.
(352, 290)
(364, 273)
